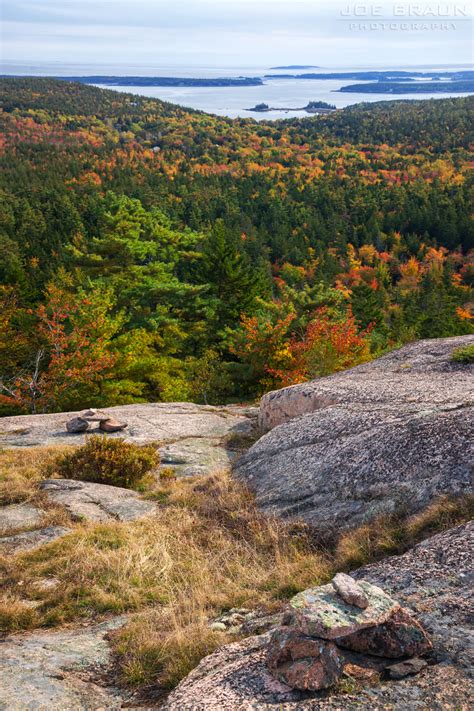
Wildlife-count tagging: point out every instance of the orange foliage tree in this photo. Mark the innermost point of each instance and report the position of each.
(71, 354)
(262, 343)
(328, 345)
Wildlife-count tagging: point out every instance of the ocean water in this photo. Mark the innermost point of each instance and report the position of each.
(234, 101)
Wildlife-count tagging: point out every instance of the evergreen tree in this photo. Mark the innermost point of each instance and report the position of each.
(234, 283)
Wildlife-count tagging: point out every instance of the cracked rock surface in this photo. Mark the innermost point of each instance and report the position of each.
(16, 516)
(388, 435)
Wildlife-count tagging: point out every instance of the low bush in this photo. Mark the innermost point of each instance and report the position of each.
(464, 354)
(108, 461)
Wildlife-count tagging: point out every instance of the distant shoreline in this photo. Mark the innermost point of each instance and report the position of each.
(378, 82)
(156, 81)
(425, 87)
(296, 66)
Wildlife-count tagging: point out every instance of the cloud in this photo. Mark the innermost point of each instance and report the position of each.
(245, 32)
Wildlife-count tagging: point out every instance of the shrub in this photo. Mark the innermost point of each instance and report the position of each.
(108, 461)
(464, 354)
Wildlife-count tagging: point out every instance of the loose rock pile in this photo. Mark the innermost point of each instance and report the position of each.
(82, 423)
(308, 652)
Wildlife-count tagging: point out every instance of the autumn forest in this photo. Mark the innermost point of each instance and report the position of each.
(153, 253)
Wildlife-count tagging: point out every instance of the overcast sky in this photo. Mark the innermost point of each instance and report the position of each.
(234, 33)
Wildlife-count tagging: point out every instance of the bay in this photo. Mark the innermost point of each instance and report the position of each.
(234, 101)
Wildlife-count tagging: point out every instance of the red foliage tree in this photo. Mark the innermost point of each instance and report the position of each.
(328, 345)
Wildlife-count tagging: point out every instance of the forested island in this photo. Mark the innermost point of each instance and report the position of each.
(153, 253)
(411, 87)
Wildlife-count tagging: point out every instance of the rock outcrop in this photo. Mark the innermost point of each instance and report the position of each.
(386, 436)
(96, 502)
(58, 670)
(192, 439)
(434, 579)
(19, 516)
(84, 501)
(308, 651)
(420, 373)
(31, 539)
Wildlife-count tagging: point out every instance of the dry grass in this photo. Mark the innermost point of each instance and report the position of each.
(207, 550)
(16, 614)
(395, 534)
(160, 647)
(21, 469)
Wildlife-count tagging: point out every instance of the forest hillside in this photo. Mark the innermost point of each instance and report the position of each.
(151, 253)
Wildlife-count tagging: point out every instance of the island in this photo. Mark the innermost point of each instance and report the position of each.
(166, 81)
(297, 66)
(385, 75)
(411, 87)
(312, 107)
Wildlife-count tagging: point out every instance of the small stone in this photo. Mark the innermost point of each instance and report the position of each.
(301, 662)
(218, 627)
(410, 667)
(93, 415)
(362, 675)
(350, 591)
(77, 425)
(112, 425)
(45, 584)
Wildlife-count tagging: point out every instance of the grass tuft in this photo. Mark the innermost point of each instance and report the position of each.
(17, 614)
(465, 354)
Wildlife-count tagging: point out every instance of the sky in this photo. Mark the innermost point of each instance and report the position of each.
(226, 33)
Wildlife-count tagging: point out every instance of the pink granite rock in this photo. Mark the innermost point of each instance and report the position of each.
(302, 662)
